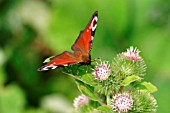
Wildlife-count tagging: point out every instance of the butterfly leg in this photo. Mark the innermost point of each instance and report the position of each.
(87, 68)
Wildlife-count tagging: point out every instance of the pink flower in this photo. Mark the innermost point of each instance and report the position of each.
(80, 100)
(132, 54)
(122, 102)
(102, 71)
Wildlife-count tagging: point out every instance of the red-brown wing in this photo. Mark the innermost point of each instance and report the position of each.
(64, 59)
(85, 38)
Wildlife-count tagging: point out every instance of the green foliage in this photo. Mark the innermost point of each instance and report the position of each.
(87, 90)
(2, 76)
(84, 109)
(32, 110)
(105, 109)
(12, 99)
(130, 79)
(149, 87)
(31, 31)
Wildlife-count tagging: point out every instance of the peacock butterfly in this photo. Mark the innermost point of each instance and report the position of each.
(81, 49)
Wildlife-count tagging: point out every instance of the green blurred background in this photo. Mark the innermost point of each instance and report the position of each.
(32, 30)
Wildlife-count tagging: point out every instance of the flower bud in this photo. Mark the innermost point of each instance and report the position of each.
(80, 100)
(102, 71)
(122, 102)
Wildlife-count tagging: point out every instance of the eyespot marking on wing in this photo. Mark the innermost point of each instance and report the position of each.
(94, 24)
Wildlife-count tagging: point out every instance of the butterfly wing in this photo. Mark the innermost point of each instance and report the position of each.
(85, 38)
(64, 59)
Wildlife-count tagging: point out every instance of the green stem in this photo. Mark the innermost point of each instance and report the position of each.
(76, 78)
(121, 89)
(108, 99)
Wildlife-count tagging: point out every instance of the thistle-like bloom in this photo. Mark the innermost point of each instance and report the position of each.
(132, 54)
(80, 100)
(122, 102)
(102, 71)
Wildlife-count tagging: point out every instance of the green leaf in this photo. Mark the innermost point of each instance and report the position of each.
(105, 109)
(87, 90)
(88, 78)
(130, 79)
(85, 109)
(149, 87)
(48, 59)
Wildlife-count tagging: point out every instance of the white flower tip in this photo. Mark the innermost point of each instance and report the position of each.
(132, 54)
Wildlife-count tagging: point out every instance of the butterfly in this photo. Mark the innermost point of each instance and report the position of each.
(81, 49)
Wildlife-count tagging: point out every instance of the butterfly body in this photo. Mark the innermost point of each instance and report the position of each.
(81, 49)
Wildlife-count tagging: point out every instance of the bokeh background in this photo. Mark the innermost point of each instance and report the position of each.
(32, 30)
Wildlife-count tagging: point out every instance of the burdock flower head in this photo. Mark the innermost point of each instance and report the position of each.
(132, 54)
(122, 102)
(80, 100)
(102, 71)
